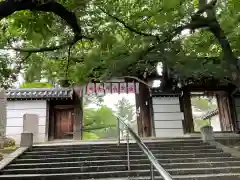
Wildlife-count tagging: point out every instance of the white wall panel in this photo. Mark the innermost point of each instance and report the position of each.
(14, 130)
(167, 117)
(166, 108)
(20, 112)
(32, 104)
(168, 124)
(165, 100)
(19, 121)
(169, 133)
(15, 112)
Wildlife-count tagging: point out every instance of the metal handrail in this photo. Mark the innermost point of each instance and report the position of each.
(147, 152)
(154, 162)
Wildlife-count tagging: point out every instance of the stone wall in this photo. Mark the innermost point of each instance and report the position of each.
(167, 116)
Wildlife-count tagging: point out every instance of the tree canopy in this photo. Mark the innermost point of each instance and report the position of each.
(91, 40)
(125, 109)
(99, 123)
(36, 85)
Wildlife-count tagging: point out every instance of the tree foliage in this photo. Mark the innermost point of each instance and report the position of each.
(203, 104)
(98, 122)
(89, 40)
(36, 85)
(125, 109)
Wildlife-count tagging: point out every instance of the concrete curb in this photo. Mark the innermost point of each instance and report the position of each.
(9, 158)
(226, 149)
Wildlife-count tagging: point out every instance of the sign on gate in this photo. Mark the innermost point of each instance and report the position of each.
(108, 88)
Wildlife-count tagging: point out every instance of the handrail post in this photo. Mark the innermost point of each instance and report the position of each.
(154, 164)
(118, 132)
(128, 151)
(152, 171)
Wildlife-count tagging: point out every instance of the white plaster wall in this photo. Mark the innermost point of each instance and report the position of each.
(216, 124)
(15, 112)
(167, 117)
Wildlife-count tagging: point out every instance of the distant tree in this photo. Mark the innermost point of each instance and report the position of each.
(93, 99)
(36, 85)
(125, 109)
(99, 122)
(203, 104)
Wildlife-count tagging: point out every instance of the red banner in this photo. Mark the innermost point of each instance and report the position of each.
(107, 88)
(113, 87)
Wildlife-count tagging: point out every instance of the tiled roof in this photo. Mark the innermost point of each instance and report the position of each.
(210, 114)
(39, 93)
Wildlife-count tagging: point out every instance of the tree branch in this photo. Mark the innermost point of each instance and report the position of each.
(177, 31)
(50, 48)
(128, 26)
(98, 128)
(137, 79)
(197, 22)
(204, 7)
(43, 49)
(10, 6)
(219, 34)
(68, 60)
(20, 63)
(215, 28)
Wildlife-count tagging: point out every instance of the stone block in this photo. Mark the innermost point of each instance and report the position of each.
(26, 139)
(207, 134)
(30, 125)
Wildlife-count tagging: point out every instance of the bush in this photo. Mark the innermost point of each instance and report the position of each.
(9, 142)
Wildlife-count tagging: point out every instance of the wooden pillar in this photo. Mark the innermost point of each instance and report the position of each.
(139, 122)
(233, 113)
(187, 111)
(51, 130)
(143, 103)
(78, 119)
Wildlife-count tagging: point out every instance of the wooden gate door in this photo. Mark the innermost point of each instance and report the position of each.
(63, 123)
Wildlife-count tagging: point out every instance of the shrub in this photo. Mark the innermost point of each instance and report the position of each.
(9, 142)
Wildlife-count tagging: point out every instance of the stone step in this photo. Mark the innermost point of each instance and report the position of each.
(200, 149)
(186, 160)
(120, 153)
(161, 160)
(118, 174)
(221, 176)
(106, 146)
(144, 164)
(112, 157)
(116, 148)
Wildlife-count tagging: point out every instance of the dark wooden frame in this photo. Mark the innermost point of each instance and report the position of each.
(188, 123)
(74, 104)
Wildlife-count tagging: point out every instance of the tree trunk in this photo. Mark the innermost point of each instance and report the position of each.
(143, 105)
(187, 109)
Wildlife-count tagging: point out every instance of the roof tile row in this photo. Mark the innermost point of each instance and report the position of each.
(39, 93)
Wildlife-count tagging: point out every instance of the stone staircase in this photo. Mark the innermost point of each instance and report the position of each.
(183, 159)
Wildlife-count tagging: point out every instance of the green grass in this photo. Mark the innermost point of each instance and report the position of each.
(8, 150)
